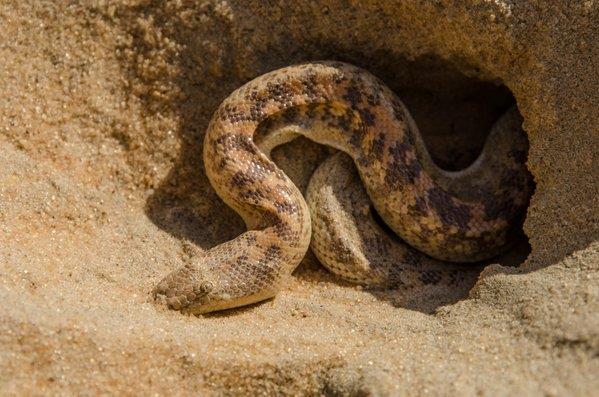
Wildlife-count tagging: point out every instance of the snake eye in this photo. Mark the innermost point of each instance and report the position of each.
(204, 287)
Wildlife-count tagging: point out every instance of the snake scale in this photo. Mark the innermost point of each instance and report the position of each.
(440, 216)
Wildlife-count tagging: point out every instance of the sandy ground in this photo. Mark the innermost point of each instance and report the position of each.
(103, 106)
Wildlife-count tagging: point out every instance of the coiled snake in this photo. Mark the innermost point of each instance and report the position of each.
(463, 216)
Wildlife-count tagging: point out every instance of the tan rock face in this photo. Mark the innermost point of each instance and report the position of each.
(102, 114)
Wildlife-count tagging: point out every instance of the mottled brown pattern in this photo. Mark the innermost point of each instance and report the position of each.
(460, 217)
(353, 245)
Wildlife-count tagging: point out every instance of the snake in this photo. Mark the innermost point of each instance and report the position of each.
(382, 179)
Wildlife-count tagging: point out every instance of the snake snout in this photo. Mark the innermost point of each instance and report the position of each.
(180, 290)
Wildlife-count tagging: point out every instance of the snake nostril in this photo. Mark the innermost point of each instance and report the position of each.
(163, 290)
(158, 291)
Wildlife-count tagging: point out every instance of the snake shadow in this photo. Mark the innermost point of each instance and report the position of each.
(424, 298)
(197, 56)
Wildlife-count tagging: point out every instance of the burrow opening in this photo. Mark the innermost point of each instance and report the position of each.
(454, 114)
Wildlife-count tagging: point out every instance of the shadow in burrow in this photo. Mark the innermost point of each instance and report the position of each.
(453, 112)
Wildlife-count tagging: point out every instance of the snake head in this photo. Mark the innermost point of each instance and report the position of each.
(184, 290)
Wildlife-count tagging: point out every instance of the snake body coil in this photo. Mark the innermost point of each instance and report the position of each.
(463, 216)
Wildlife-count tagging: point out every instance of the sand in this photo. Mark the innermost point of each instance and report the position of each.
(103, 107)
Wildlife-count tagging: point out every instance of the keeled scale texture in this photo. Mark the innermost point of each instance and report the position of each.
(464, 216)
(353, 244)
